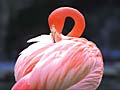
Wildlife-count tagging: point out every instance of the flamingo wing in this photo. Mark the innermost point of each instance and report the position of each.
(73, 64)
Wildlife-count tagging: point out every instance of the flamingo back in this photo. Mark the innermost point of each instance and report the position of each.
(72, 64)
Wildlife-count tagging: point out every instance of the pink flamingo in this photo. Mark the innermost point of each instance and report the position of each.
(58, 62)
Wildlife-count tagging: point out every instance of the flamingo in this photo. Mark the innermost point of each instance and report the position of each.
(58, 62)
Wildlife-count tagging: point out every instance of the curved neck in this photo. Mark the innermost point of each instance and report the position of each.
(57, 18)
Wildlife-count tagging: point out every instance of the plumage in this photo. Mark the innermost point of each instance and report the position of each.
(69, 63)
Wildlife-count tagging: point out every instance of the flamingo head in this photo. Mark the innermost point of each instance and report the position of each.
(57, 18)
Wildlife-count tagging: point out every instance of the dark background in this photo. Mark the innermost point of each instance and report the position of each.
(21, 20)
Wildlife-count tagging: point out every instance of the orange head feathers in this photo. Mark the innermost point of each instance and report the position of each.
(58, 16)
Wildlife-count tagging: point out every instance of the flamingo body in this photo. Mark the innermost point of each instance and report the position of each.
(69, 64)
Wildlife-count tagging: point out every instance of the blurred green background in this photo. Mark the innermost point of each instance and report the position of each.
(21, 20)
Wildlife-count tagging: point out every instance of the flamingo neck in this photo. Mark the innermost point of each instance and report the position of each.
(57, 18)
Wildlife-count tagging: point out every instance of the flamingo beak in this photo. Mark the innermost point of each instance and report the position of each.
(53, 33)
